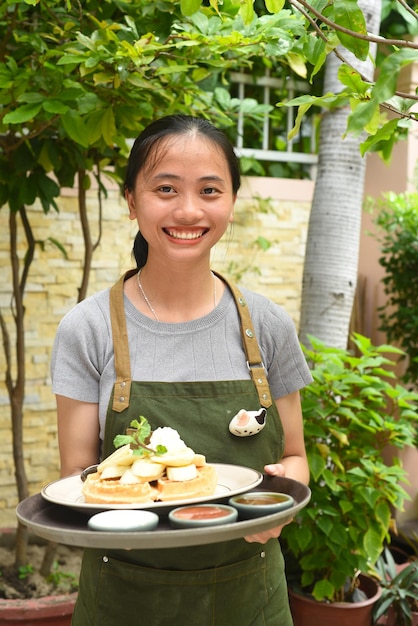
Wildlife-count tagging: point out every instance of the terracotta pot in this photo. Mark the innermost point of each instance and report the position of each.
(308, 612)
(47, 611)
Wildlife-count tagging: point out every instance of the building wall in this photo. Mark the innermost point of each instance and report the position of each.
(398, 176)
(274, 209)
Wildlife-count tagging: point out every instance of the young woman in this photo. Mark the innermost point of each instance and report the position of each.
(182, 362)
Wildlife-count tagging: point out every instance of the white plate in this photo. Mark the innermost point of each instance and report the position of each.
(232, 480)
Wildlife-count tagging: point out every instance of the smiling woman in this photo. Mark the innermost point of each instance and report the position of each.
(175, 342)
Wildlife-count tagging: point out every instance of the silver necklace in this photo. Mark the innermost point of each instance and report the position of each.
(148, 303)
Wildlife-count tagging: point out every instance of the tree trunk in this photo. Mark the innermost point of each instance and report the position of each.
(89, 246)
(331, 259)
(16, 386)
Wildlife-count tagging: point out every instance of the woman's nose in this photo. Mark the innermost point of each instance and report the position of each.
(189, 208)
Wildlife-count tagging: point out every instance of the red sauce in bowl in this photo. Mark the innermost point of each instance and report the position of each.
(202, 512)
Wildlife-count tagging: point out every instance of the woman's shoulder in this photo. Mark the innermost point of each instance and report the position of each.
(92, 308)
(262, 307)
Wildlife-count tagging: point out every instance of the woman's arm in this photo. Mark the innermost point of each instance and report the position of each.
(294, 458)
(78, 434)
(293, 463)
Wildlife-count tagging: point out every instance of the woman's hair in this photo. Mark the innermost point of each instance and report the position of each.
(151, 137)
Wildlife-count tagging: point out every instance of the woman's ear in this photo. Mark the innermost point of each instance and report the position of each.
(129, 197)
(231, 215)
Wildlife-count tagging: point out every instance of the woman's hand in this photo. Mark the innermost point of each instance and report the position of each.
(293, 463)
(276, 469)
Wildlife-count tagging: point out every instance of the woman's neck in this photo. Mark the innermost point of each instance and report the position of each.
(174, 296)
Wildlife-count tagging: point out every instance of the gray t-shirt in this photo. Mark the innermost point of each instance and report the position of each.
(208, 348)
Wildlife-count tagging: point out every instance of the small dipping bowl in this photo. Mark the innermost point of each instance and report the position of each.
(198, 515)
(123, 520)
(260, 503)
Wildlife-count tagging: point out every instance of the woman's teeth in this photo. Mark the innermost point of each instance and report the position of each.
(185, 235)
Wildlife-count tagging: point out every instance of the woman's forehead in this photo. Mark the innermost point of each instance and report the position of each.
(177, 148)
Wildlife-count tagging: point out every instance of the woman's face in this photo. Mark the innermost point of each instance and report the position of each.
(183, 200)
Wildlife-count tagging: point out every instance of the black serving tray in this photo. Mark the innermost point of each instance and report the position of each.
(65, 525)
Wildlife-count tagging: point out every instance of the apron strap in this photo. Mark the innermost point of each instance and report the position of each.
(122, 388)
(254, 361)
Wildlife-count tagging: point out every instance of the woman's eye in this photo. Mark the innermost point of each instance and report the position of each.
(209, 191)
(165, 188)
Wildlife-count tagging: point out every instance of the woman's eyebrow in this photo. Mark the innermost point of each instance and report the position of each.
(209, 177)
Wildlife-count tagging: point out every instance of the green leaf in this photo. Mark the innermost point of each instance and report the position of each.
(325, 524)
(315, 52)
(121, 440)
(68, 59)
(351, 78)
(223, 97)
(263, 243)
(57, 244)
(31, 97)
(109, 127)
(47, 187)
(317, 465)
(22, 114)
(346, 506)
(323, 590)
(188, 7)
(297, 63)
(55, 107)
(373, 544)
(364, 116)
(75, 128)
(274, 6)
(303, 108)
(386, 82)
(348, 14)
(304, 538)
(246, 11)
(173, 69)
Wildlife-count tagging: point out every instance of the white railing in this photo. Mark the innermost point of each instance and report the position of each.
(267, 84)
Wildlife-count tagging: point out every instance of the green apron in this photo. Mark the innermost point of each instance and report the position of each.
(232, 583)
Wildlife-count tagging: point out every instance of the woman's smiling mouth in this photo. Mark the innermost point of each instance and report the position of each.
(185, 235)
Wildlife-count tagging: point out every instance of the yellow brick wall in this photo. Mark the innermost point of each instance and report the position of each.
(53, 282)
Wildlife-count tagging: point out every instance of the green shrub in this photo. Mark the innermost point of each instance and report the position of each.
(397, 220)
(353, 411)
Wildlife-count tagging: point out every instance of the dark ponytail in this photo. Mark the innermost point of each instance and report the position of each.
(140, 250)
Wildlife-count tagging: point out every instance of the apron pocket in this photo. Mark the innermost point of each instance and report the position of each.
(232, 595)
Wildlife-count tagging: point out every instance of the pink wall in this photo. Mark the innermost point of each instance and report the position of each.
(398, 177)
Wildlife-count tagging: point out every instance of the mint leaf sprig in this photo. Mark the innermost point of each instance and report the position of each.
(138, 438)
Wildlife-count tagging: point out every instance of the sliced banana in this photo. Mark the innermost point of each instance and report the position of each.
(180, 465)
(185, 472)
(112, 471)
(148, 470)
(182, 457)
(128, 478)
(121, 456)
(199, 460)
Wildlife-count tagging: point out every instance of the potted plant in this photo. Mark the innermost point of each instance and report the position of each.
(398, 603)
(353, 411)
(44, 590)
